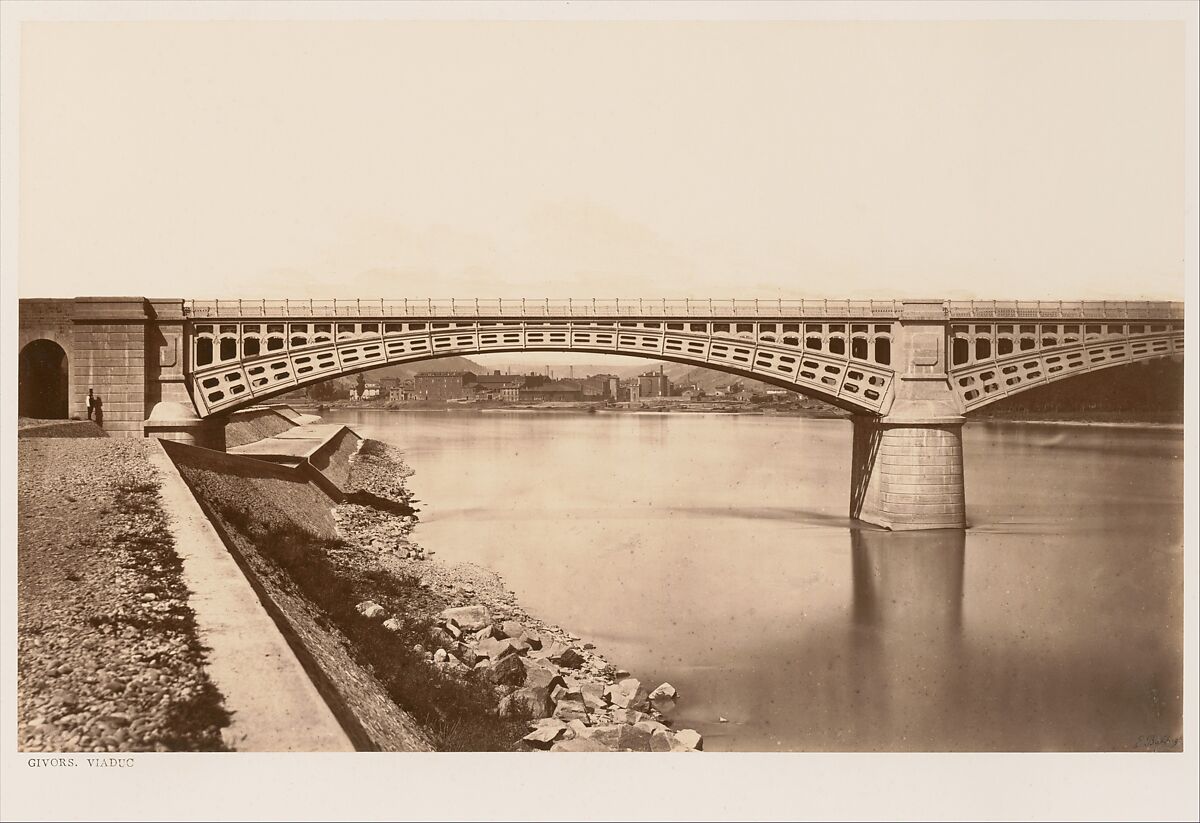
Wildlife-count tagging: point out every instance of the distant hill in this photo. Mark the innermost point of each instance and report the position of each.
(679, 373)
(406, 370)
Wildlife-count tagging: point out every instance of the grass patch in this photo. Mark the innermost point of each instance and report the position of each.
(458, 713)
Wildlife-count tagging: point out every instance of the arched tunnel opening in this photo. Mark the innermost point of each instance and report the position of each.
(42, 381)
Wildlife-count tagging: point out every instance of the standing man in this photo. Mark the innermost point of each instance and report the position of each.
(91, 404)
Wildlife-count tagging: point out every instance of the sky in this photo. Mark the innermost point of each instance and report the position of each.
(996, 160)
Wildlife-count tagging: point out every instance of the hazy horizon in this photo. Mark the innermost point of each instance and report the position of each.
(719, 159)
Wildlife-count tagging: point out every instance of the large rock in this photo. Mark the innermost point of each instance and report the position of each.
(661, 741)
(550, 650)
(664, 690)
(651, 725)
(608, 736)
(689, 740)
(468, 618)
(635, 738)
(496, 649)
(393, 625)
(575, 728)
(508, 671)
(593, 695)
(570, 706)
(629, 716)
(569, 657)
(619, 736)
(544, 736)
(370, 609)
(628, 694)
(579, 744)
(526, 702)
(540, 676)
(511, 628)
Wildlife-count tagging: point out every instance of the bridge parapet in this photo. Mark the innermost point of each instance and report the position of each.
(376, 307)
(543, 307)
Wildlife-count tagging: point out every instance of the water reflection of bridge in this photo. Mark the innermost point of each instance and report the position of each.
(905, 668)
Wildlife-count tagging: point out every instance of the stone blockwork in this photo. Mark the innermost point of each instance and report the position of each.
(130, 351)
(109, 357)
(908, 475)
(47, 320)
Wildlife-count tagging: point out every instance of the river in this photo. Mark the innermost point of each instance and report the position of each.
(714, 552)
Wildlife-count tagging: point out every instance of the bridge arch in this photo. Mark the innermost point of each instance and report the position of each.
(992, 361)
(43, 381)
(268, 393)
(237, 364)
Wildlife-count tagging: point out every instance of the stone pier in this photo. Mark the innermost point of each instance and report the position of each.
(908, 465)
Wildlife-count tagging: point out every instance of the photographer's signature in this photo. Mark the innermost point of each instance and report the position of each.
(1159, 743)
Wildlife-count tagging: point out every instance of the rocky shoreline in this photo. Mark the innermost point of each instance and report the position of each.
(572, 698)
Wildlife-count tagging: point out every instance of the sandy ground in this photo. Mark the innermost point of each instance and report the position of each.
(108, 658)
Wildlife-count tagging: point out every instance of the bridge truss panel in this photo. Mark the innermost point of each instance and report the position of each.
(990, 361)
(239, 362)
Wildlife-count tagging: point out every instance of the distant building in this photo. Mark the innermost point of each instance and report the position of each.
(370, 391)
(552, 391)
(654, 384)
(492, 386)
(443, 385)
(600, 386)
(401, 391)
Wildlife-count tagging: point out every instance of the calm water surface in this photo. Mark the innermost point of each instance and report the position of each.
(714, 552)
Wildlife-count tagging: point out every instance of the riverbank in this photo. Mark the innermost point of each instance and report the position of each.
(1088, 418)
(1166, 420)
(544, 687)
(383, 622)
(733, 408)
(542, 675)
(108, 657)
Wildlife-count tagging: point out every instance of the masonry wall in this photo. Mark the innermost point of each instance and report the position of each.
(908, 476)
(110, 358)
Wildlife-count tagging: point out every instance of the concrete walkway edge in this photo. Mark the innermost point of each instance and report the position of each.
(274, 705)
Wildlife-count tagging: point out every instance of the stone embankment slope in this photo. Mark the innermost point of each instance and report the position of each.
(108, 657)
(270, 518)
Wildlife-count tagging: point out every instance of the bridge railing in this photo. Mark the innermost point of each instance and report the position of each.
(666, 307)
(543, 307)
(1114, 309)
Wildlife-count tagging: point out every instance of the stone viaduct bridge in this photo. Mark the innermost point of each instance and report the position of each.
(908, 371)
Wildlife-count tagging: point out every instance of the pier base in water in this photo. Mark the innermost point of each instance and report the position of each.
(908, 473)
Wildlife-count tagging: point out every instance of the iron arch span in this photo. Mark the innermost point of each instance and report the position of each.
(238, 368)
(851, 365)
(43, 381)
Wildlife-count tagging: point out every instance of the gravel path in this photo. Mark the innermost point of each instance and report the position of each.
(108, 658)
